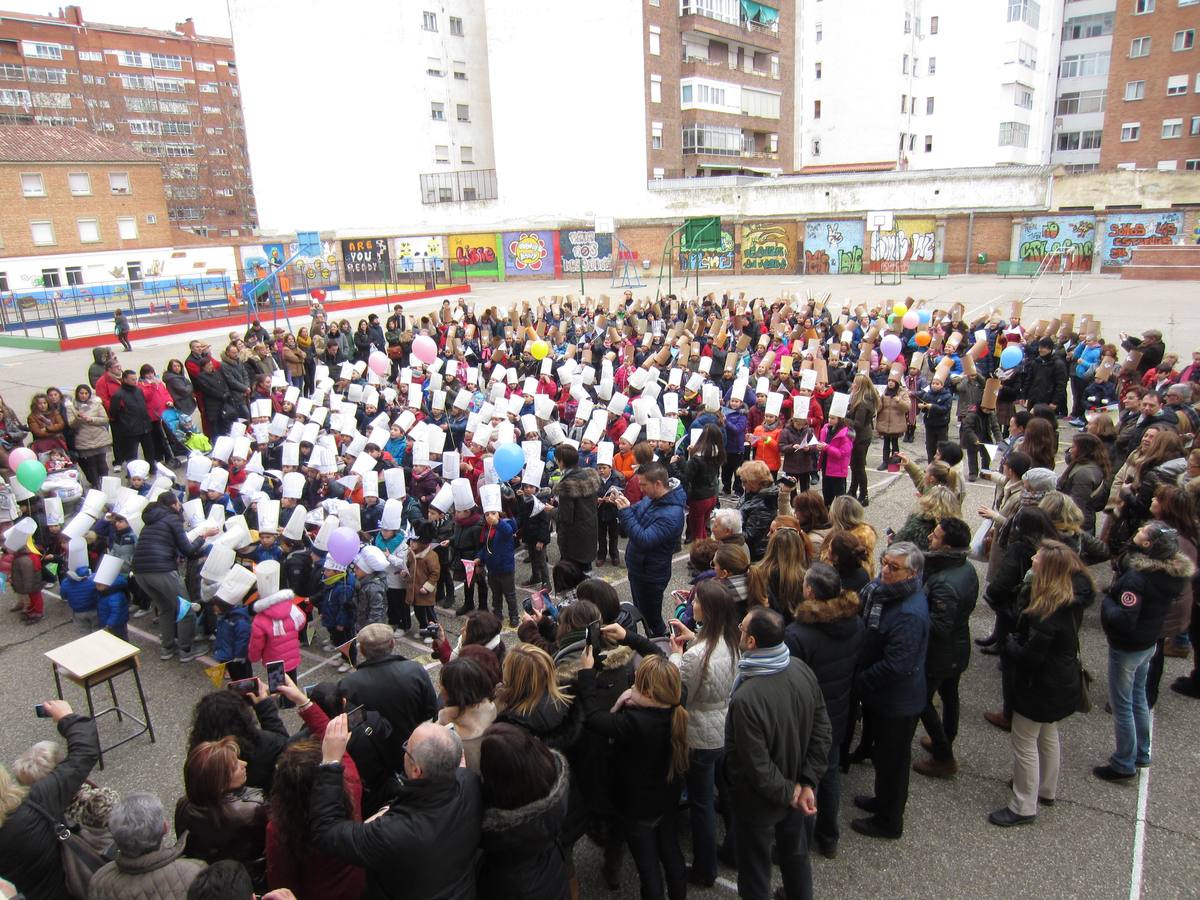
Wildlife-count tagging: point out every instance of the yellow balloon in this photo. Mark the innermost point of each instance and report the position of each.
(900, 309)
(539, 349)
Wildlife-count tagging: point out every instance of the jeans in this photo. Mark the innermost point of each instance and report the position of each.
(701, 783)
(1035, 763)
(829, 792)
(654, 846)
(1127, 671)
(943, 729)
(754, 856)
(648, 598)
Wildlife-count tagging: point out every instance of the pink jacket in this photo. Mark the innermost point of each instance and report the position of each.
(275, 632)
(837, 456)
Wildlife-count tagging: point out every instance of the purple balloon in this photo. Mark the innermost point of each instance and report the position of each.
(343, 545)
(890, 346)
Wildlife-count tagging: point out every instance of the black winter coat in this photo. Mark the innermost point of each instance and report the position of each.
(891, 676)
(1044, 378)
(701, 478)
(828, 636)
(127, 411)
(261, 754)
(576, 517)
(162, 541)
(1138, 601)
(29, 851)
(1041, 660)
(952, 589)
(399, 690)
(523, 857)
(759, 510)
(1002, 592)
(558, 727)
(424, 846)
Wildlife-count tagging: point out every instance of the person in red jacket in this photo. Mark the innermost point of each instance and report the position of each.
(109, 383)
(158, 398)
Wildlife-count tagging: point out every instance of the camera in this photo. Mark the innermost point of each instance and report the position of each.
(432, 630)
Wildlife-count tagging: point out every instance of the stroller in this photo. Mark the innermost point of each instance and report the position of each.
(182, 438)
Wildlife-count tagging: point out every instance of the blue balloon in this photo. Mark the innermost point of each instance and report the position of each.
(1011, 357)
(509, 461)
(925, 316)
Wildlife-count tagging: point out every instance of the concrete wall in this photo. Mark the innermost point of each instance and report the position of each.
(1153, 190)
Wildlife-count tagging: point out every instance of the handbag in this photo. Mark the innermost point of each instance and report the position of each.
(80, 860)
(1085, 690)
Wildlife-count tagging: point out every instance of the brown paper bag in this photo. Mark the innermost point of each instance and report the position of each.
(991, 390)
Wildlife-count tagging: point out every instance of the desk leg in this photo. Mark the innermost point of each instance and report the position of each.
(112, 690)
(57, 681)
(87, 691)
(137, 678)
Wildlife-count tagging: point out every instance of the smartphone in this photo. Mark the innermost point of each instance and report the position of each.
(40, 711)
(275, 674)
(538, 601)
(244, 686)
(593, 638)
(308, 689)
(354, 718)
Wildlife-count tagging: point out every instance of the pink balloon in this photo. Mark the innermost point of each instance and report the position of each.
(18, 456)
(343, 545)
(379, 363)
(424, 349)
(911, 319)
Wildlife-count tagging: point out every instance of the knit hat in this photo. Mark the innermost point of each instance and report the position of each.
(92, 806)
(1035, 484)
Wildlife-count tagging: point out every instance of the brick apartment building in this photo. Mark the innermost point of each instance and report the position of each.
(719, 87)
(169, 95)
(1153, 115)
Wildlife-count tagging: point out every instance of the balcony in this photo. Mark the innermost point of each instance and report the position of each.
(699, 67)
(745, 20)
(464, 186)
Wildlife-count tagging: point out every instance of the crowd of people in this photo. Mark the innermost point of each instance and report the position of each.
(342, 486)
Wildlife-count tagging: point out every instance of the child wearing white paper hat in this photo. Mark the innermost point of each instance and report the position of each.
(112, 596)
(390, 539)
(534, 523)
(25, 572)
(611, 482)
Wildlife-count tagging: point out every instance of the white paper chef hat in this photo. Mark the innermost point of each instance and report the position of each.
(268, 516)
(137, 468)
(328, 527)
(534, 469)
(293, 485)
(18, 535)
(109, 568)
(219, 560)
(393, 481)
(604, 453)
(54, 511)
(393, 515)
(489, 494)
(444, 499)
(464, 498)
(237, 581)
(295, 525)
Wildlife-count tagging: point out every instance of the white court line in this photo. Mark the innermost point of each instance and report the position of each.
(1139, 828)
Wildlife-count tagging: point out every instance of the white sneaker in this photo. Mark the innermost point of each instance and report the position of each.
(398, 633)
(343, 668)
(137, 613)
(328, 646)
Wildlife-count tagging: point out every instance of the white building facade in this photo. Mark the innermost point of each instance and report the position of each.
(1081, 99)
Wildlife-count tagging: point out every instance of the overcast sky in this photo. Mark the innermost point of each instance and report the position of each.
(211, 16)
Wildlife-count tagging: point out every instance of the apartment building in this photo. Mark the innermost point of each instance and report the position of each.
(925, 84)
(1085, 58)
(719, 87)
(1152, 120)
(172, 95)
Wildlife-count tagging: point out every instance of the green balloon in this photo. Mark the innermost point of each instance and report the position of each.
(32, 475)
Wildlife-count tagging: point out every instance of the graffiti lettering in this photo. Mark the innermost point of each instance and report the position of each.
(816, 262)
(889, 245)
(850, 262)
(1131, 230)
(528, 251)
(473, 256)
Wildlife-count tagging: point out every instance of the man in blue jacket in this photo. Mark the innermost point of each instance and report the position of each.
(653, 526)
(891, 682)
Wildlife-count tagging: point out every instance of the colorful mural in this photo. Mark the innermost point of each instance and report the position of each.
(710, 260)
(528, 252)
(419, 254)
(768, 247)
(476, 253)
(366, 259)
(1124, 231)
(834, 248)
(584, 248)
(1067, 241)
(324, 266)
(911, 240)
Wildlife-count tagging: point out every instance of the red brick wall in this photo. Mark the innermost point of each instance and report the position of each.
(990, 234)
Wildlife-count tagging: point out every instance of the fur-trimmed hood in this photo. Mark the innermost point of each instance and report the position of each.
(566, 660)
(579, 482)
(500, 820)
(272, 604)
(1178, 566)
(843, 606)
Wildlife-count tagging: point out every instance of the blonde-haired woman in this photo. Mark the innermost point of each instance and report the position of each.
(862, 410)
(847, 515)
(759, 505)
(648, 728)
(1068, 522)
(937, 503)
(778, 580)
(1042, 669)
(529, 696)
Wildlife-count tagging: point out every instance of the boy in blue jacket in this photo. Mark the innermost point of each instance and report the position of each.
(112, 596)
(231, 638)
(79, 590)
(498, 553)
(338, 612)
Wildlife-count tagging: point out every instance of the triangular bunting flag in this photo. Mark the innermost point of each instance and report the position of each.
(216, 674)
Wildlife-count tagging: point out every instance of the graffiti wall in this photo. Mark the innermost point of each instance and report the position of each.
(366, 259)
(710, 260)
(579, 247)
(419, 254)
(476, 253)
(1124, 231)
(1066, 241)
(314, 268)
(911, 240)
(768, 247)
(833, 248)
(528, 252)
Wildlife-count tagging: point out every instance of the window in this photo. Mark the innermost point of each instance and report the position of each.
(41, 51)
(463, 112)
(433, 66)
(775, 65)
(151, 219)
(912, 107)
(430, 21)
(685, 93)
(908, 23)
(10, 72)
(437, 112)
(656, 134)
(1139, 46)
(1135, 90)
(904, 65)
(1080, 102)
(1081, 65)
(118, 182)
(816, 109)
(3, 281)
(656, 89)
(127, 228)
(929, 137)
(1023, 97)
(817, 71)
(460, 70)
(74, 276)
(1096, 25)
(1141, 7)
(816, 147)
(716, 140)
(166, 61)
(1168, 165)
(655, 40)
(929, 106)
(933, 24)
(456, 26)
(1131, 131)
(90, 56)
(1195, 129)
(32, 185)
(1027, 55)
(1014, 134)
(466, 155)
(46, 76)
(200, 66)
(818, 33)
(1177, 84)
(912, 142)
(51, 278)
(659, 173)
(80, 183)
(1172, 128)
(1078, 140)
(1184, 40)
(1027, 11)
(15, 98)
(1192, 165)
(933, 65)
(89, 230)
(42, 233)
(903, 104)
(441, 153)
